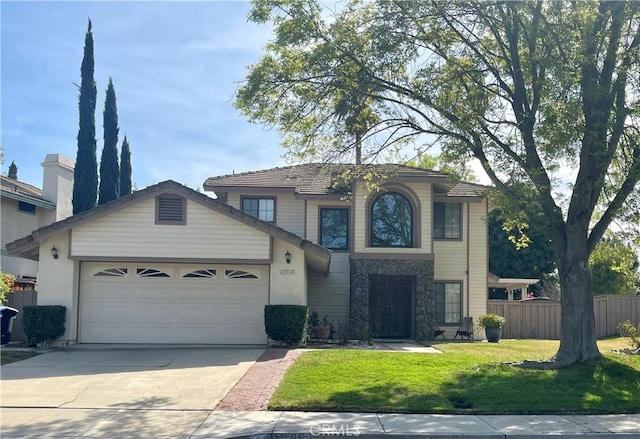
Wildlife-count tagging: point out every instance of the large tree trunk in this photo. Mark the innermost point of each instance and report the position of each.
(577, 319)
(578, 323)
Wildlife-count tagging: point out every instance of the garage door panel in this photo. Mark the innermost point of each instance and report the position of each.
(128, 307)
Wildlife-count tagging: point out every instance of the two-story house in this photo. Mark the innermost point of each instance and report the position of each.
(25, 208)
(170, 265)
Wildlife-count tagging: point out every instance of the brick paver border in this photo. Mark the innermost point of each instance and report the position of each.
(255, 388)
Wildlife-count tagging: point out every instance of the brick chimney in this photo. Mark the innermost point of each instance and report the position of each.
(57, 184)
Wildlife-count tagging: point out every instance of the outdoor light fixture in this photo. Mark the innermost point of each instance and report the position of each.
(287, 257)
(54, 252)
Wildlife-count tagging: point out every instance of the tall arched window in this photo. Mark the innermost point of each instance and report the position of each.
(391, 221)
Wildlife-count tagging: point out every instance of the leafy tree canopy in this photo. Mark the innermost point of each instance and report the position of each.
(542, 93)
(614, 267)
(535, 260)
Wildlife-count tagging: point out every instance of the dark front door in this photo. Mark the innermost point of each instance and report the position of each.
(390, 307)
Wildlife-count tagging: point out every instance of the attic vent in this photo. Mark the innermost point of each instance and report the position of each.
(171, 209)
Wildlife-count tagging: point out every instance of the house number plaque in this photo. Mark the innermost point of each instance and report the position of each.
(287, 272)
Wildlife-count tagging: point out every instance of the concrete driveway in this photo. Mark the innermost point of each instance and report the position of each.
(101, 392)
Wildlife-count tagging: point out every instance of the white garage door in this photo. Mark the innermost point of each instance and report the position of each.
(172, 303)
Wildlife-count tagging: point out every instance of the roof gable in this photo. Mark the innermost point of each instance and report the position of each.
(319, 257)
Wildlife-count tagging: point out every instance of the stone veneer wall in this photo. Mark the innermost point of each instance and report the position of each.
(422, 270)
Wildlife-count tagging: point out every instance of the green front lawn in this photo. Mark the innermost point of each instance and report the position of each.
(466, 378)
(13, 356)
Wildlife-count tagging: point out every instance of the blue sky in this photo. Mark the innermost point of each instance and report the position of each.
(175, 68)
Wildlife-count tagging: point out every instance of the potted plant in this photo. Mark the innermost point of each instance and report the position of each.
(492, 324)
(321, 327)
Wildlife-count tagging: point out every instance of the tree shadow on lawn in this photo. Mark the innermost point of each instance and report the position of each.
(595, 387)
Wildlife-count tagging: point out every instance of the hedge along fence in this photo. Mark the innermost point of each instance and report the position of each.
(286, 323)
(541, 319)
(44, 323)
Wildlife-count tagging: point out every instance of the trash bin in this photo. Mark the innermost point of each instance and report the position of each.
(7, 314)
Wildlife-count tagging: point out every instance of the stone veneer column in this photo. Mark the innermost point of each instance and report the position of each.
(421, 270)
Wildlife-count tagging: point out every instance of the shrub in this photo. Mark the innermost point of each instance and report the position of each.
(44, 323)
(628, 330)
(344, 332)
(315, 320)
(6, 284)
(492, 321)
(286, 323)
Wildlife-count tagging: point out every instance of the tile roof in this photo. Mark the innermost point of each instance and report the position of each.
(321, 179)
(309, 178)
(22, 191)
(463, 189)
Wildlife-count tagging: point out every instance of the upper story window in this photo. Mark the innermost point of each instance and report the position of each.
(26, 207)
(447, 220)
(171, 209)
(391, 221)
(261, 208)
(334, 228)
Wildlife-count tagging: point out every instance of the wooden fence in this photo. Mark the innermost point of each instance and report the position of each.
(18, 300)
(541, 319)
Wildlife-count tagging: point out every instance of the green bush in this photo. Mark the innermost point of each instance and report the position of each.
(286, 323)
(6, 284)
(628, 330)
(491, 321)
(44, 323)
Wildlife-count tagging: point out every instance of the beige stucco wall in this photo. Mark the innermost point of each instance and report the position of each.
(288, 281)
(57, 282)
(57, 185)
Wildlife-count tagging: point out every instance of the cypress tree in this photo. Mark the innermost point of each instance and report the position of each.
(109, 169)
(125, 168)
(85, 183)
(13, 171)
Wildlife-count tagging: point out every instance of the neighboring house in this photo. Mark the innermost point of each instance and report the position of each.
(170, 265)
(25, 208)
(511, 285)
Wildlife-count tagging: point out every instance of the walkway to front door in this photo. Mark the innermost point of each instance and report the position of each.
(390, 306)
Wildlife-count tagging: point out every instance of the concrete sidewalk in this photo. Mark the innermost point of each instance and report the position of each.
(203, 424)
(296, 425)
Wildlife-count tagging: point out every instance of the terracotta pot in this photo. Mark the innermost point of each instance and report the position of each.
(322, 332)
